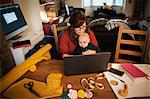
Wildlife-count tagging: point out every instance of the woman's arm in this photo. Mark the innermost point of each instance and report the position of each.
(63, 44)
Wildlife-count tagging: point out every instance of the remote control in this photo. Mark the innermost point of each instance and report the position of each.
(116, 71)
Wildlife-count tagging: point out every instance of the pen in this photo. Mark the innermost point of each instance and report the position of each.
(116, 78)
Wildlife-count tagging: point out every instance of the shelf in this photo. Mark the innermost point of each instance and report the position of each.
(47, 3)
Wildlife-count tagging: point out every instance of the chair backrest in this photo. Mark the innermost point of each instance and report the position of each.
(124, 45)
(55, 31)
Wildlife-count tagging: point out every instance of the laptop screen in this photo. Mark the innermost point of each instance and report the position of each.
(83, 64)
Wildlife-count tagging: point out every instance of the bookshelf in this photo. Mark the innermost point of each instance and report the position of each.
(51, 3)
(50, 7)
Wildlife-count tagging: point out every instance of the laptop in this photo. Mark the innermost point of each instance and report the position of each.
(85, 64)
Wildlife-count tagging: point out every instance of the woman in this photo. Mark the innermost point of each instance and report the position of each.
(69, 39)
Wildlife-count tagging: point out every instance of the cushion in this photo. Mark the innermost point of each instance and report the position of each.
(98, 22)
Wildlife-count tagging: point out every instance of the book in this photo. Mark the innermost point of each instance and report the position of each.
(133, 72)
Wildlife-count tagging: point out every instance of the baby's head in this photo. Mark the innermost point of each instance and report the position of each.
(84, 40)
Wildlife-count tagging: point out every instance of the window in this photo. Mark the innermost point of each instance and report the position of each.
(119, 2)
(97, 2)
(89, 3)
(108, 2)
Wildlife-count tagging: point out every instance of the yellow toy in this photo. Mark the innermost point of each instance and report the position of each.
(44, 90)
(81, 93)
(21, 69)
(124, 92)
(20, 89)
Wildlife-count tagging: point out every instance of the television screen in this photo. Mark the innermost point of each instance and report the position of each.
(12, 20)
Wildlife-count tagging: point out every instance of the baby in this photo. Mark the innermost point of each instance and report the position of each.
(84, 45)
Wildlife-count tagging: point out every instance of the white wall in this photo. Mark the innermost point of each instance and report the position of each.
(31, 12)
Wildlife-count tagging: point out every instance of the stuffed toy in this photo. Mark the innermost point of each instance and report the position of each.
(84, 45)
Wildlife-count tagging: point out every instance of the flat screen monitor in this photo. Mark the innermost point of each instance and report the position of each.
(12, 20)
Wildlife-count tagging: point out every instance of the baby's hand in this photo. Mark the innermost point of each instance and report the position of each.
(67, 55)
(88, 52)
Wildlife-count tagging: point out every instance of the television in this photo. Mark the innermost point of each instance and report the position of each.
(12, 21)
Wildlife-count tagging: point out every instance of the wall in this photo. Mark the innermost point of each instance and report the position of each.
(7, 61)
(74, 3)
(31, 12)
(147, 9)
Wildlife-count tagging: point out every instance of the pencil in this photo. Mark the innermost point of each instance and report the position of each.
(116, 78)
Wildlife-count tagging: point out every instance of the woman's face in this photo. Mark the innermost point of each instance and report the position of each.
(80, 30)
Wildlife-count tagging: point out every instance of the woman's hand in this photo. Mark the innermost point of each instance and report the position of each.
(89, 52)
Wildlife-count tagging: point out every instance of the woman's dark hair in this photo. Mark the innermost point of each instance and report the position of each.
(76, 20)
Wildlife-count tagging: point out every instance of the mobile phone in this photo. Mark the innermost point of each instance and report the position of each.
(116, 71)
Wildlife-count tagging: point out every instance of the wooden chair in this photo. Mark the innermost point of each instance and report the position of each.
(55, 31)
(139, 42)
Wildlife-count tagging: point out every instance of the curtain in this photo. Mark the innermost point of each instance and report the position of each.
(138, 8)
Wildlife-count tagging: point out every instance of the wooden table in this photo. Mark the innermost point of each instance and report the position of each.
(56, 66)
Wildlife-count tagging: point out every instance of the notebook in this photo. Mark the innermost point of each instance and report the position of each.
(85, 64)
(133, 70)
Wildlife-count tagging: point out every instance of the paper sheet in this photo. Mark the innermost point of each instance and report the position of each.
(18, 55)
(137, 88)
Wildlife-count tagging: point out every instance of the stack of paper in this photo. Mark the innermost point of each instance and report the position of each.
(137, 88)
